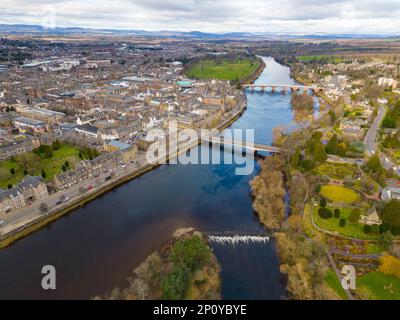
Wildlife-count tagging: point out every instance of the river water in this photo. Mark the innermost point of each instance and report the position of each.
(94, 248)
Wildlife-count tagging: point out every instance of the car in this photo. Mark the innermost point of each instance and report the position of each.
(58, 202)
(1, 222)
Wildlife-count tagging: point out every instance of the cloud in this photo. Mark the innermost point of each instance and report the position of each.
(302, 16)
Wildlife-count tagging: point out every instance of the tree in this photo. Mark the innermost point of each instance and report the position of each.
(386, 240)
(12, 171)
(325, 213)
(337, 213)
(56, 145)
(307, 165)
(43, 173)
(389, 265)
(295, 223)
(374, 164)
(175, 284)
(331, 147)
(323, 202)
(66, 164)
(9, 186)
(296, 158)
(25, 172)
(391, 214)
(332, 114)
(367, 229)
(29, 161)
(302, 101)
(319, 152)
(355, 215)
(63, 168)
(193, 252)
(48, 154)
(342, 223)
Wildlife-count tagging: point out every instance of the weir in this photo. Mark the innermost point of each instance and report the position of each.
(233, 238)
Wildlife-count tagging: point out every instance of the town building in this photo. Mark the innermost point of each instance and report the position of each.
(31, 189)
(26, 124)
(388, 83)
(17, 148)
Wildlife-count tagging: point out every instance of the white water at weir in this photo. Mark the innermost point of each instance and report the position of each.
(236, 239)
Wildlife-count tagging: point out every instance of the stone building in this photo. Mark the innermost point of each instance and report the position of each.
(31, 189)
(88, 169)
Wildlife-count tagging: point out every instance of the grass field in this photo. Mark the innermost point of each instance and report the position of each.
(339, 194)
(336, 170)
(353, 230)
(382, 287)
(52, 166)
(321, 58)
(223, 69)
(333, 282)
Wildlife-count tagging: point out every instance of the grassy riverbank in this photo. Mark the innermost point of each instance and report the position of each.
(185, 268)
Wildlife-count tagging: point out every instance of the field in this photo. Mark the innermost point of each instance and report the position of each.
(321, 58)
(379, 286)
(353, 230)
(337, 171)
(239, 69)
(339, 194)
(333, 282)
(51, 166)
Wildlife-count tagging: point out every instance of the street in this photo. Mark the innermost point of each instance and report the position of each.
(370, 137)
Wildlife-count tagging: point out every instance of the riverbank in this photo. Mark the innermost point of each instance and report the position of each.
(33, 225)
(123, 227)
(256, 74)
(185, 268)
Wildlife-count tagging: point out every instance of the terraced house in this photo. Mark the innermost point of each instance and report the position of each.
(31, 189)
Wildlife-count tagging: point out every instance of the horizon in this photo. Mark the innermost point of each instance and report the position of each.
(257, 17)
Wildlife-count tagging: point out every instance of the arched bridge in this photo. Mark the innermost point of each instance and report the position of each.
(283, 87)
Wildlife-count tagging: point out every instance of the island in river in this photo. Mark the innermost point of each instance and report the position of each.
(185, 268)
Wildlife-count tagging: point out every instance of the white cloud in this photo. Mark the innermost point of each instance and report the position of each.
(304, 16)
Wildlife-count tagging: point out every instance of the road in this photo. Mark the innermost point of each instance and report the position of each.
(337, 159)
(370, 137)
(389, 165)
(27, 214)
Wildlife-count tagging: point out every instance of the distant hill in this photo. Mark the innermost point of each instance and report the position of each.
(37, 29)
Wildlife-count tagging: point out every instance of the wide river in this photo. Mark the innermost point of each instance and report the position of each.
(95, 248)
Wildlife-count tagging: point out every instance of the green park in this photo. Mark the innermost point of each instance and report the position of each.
(223, 69)
(45, 161)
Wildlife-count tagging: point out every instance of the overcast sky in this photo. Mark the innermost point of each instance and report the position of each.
(294, 16)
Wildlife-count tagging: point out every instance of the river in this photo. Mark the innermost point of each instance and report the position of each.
(94, 248)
